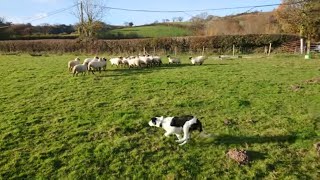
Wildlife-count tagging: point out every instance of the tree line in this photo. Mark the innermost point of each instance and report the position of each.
(9, 30)
(292, 16)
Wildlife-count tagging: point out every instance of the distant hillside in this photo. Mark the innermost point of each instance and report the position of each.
(147, 31)
(249, 23)
(246, 23)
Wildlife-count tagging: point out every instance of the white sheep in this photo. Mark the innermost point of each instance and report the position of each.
(87, 60)
(145, 60)
(197, 60)
(173, 60)
(116, 61)
(156, 60)
(72, 63)
(97, 65)
(134, 61)
(125, 61)
(104, 62)
(80, 68)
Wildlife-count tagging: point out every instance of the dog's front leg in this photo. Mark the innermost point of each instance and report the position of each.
(178, 136)
(186, 134)
(167, 134)
(183, 143)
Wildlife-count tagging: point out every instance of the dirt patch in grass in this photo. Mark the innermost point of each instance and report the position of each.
(240, 156)
(313, 81)
(296, 88)
(317, 146)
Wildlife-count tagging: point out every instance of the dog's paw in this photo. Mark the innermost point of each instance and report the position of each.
(183, 143)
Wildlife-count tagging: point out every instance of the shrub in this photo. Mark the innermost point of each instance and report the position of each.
(219, 44)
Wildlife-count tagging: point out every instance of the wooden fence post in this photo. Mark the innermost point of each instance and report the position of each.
(175, 51)
(269, 49)
(202, 50)
(233, 50)
(265, 50)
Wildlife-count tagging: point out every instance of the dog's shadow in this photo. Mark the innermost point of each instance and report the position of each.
(255, 155)
(242, 141)
(236, 140)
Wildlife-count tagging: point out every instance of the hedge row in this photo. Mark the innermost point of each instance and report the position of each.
(38, 37)
(215, 44)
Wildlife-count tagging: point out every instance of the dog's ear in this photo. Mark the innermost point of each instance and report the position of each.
(154, 120)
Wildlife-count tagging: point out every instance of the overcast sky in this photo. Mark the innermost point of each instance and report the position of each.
(25, 11)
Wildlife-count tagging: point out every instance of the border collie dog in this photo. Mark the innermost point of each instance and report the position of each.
(177, 126)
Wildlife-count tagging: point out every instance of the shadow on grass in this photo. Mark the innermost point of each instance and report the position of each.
(228, 139)
(255, 155)
(124, 71)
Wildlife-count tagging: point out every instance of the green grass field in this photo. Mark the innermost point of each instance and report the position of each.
(55, 126)
(148, 31)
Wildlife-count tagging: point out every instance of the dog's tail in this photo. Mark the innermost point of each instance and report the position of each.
(199, 125)
(203, 134)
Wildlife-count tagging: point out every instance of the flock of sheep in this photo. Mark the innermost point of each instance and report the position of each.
(98, 64)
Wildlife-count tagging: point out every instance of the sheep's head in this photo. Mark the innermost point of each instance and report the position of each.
(168, 56)
(190, 57)
(77, 59)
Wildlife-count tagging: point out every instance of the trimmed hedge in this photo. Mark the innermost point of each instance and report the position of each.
(38, 37)
(214, 44)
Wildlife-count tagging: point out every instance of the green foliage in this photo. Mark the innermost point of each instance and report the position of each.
(300, 16)
(57, 126)
(215, 44)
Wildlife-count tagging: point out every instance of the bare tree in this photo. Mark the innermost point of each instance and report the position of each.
(2, 20)
(180, 19)
(45, 28)
(174, 19)
(88, 13)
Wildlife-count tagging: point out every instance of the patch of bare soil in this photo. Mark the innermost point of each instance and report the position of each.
(317, 146)
(313, 81)
(240, 156)
(296, 87)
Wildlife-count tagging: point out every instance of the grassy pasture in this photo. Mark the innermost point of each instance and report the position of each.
(53, 125)
(148, 31)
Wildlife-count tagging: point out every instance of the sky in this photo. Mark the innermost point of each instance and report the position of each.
(44, 11)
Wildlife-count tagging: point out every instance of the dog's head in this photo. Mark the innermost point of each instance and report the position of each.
(156, 121)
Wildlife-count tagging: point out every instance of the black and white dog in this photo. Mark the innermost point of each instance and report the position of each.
(178, 125)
